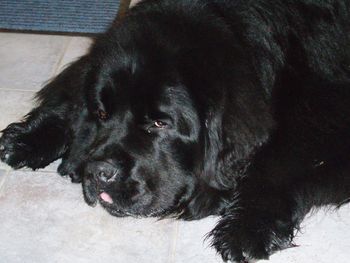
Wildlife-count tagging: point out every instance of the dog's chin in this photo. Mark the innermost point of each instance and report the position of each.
(113, 210)
(106, 201)
(94, 195)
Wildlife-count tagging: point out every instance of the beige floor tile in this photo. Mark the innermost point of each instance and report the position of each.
(4, 166)
(52, 167)
(191, 246)
(14, 105)
(44, 219)
(28, 60)
(77, 47)
(2, 173)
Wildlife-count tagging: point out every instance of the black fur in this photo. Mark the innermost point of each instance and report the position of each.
(191, 108)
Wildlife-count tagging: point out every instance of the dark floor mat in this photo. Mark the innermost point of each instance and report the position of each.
(73, 16)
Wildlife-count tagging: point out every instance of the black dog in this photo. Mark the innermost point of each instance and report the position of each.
(190, 108)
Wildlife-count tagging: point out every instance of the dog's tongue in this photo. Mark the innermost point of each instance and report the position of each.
(106, 197)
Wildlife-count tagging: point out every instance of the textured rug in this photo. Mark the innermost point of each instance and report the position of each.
(72, 16)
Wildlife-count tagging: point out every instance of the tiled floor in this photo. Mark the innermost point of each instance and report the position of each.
(44, 218)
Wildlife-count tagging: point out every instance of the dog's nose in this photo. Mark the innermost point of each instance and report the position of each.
(103, 171)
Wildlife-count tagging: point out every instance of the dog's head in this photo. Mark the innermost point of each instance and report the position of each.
(154, 134)
(147, 147)
(144, 150)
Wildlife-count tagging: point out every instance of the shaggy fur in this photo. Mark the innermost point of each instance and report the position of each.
(191, 108)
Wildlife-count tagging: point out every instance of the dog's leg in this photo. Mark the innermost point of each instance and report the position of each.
(264, 217)
(44, 134)
(305, 165)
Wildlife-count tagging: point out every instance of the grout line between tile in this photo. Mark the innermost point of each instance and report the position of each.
(172, 257)
(47, 171)
(2, 182)
(37, 171)
(21, 90)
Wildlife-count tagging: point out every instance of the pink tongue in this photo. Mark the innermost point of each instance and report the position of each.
(106, 197)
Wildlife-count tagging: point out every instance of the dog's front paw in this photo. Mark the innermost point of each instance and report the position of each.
(71, 169)
(243, 237)
(14, 149)
(20, 146)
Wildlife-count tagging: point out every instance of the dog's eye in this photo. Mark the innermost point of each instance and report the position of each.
(159, 124)
(102, 115)
(156, 125)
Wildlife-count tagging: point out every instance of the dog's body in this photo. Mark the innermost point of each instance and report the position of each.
(201, 107)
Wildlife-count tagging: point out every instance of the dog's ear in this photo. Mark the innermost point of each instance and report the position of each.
(108, 75)
(99, 89)
(233, 134)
